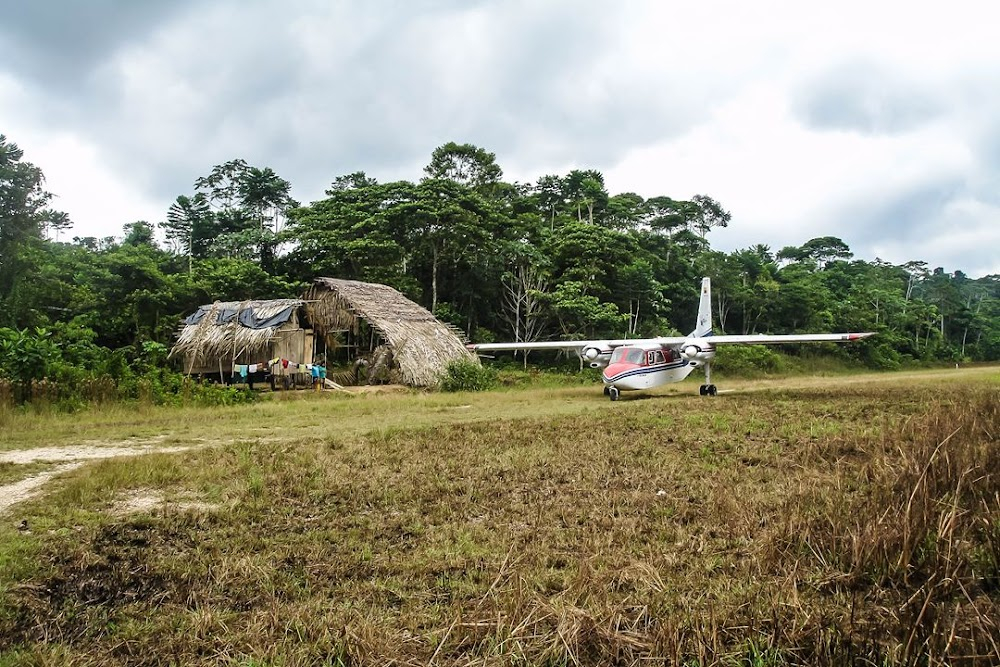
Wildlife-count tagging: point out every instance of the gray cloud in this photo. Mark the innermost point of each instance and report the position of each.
(914, 213)
(524, 83)
(865, 97)
(314, 89)
(59, 44)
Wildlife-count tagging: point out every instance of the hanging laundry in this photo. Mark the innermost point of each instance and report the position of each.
(284, 363)
(253, 368)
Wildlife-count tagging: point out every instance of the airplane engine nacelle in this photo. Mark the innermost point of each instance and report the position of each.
(596, 356)
(695, 353)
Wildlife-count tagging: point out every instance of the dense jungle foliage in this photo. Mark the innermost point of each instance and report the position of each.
(561, 257)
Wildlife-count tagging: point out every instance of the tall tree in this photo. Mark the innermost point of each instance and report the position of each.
(550, 194)
(266, 197)
(448, 221)
(465, 164)
(625, 211)
(819, 252)
(353, 233)
(24, 214)
(585, 189)
(222, 185)
(139, 233)
(708, 214)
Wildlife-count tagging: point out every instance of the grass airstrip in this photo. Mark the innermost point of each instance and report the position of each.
(802, 521)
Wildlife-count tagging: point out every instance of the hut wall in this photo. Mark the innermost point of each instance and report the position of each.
(296, 345)
(289, 342)
(204, 365)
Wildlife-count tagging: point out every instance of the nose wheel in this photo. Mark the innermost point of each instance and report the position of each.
(612, 393)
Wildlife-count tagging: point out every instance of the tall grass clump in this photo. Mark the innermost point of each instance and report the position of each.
(469, 376)
(919, 540)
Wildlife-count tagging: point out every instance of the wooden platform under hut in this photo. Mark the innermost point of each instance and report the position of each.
(379, 335)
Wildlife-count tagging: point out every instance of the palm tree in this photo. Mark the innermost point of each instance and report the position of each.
(187, 219)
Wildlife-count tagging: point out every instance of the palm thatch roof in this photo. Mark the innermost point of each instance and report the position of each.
(227, 329)
(422, 346)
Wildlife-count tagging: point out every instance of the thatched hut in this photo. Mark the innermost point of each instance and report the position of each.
(223, 334)
(353, 318)
(372, 331)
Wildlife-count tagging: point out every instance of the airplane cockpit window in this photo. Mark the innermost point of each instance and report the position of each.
(656, 357)
(629, 355)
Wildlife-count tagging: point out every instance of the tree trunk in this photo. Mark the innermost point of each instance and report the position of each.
(434, 279)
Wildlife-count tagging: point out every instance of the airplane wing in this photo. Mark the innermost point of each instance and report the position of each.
(671, 341)
(764, 339)
(596, 351)
(603, 345)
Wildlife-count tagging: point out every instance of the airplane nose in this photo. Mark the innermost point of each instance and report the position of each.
(611, 370)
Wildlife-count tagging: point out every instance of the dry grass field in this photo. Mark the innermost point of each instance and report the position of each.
(827, 521)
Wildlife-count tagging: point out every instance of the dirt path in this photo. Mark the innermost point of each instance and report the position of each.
(11, 494)
(81, 453)
(70, 459)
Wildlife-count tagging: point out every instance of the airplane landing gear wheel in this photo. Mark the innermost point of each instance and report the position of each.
(613, 393)
(607, 391)
(708, 390)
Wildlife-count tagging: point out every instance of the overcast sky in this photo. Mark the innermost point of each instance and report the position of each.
(876, 122)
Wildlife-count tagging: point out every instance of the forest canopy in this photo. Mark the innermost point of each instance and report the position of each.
(559, 257)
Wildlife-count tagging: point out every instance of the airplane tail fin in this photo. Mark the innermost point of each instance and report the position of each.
(704, 325)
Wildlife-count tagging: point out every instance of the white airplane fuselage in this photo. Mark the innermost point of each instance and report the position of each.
(636, 368)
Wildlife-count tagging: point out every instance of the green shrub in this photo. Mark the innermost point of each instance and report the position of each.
(469, 376)
(513, 375)
(63, 369)
(747, 360)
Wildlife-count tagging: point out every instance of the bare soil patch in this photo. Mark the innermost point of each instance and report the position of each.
(149, 500)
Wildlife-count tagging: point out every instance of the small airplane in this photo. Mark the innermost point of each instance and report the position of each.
(644, 363)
